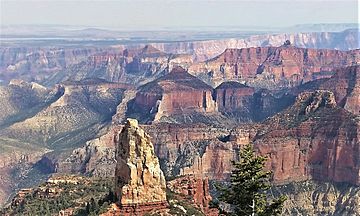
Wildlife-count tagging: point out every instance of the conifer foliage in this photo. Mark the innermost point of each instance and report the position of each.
(249, 183)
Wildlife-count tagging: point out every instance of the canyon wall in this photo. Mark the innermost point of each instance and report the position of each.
(50, 65)
(313, 139)
(204, 50)
(273, 67)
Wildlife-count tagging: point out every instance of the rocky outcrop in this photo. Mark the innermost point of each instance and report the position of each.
(345, 85)
(274, 67)
(177, 93)
(313, 139)
(197, 189)
(139, 182)
(182, 149)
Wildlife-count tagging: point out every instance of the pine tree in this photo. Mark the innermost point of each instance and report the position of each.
(248, 185)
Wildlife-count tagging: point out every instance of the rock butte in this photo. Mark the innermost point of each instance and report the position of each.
(139, 182)
(175, 93)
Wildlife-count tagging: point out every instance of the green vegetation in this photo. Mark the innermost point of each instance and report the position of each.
(88, 197)
(248, 185)
(179, 204)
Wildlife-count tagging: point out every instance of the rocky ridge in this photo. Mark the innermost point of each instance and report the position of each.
(204, 50)
(273, 67)
(313, 139)
(42, 64)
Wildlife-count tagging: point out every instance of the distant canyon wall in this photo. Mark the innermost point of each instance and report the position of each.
(37, 64)
(203, 50)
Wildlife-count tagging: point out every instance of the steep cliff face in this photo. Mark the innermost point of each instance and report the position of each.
(246, 104)
(313, 139)
(274, 67)
(139, 182)
(231, 96)
(204, 50)
(235, 100)
(195, 188)
(345, 85)
(180, 145)
(177, 93)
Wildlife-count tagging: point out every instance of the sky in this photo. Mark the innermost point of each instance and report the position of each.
(177, 13)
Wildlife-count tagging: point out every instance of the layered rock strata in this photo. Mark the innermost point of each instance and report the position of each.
(195, 188)
(139, 182)
(176, 93)
(313, 139)
(274, 67)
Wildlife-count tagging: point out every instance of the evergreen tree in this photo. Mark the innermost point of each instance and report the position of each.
(248, 185)
(87, 208)
(94, 206)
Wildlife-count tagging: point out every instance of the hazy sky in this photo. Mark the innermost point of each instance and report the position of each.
(178, 13)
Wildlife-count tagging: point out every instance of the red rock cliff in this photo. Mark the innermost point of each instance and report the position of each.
(275, 64)
(314, 139)
(175, 93)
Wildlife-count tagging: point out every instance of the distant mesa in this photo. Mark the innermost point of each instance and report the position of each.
(178, 92)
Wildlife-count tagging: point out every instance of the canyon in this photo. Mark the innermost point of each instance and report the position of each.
(197, 103)
(50, 64)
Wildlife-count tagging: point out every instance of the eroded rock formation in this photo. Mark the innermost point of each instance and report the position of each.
(139, 182)
(313, 139)
(204, 50)
(274, 67)
(176, 93)
(195, 188)
(132, 66)
(346, 86)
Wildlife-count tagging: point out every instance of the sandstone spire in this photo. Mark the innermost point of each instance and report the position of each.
(140, 184)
